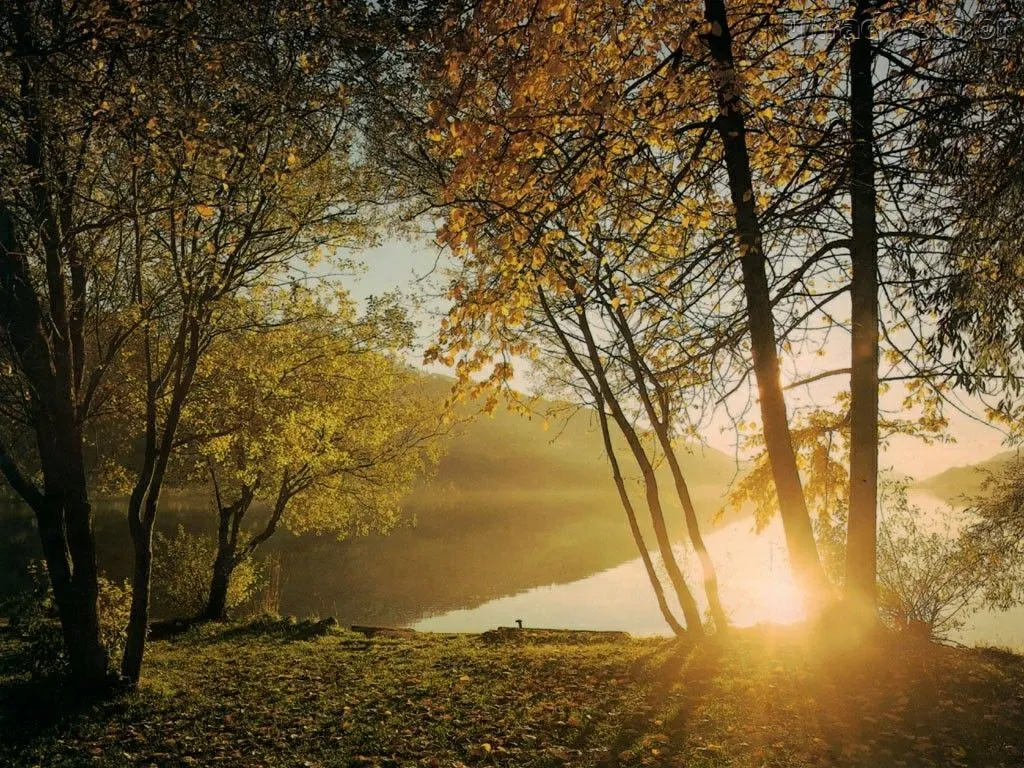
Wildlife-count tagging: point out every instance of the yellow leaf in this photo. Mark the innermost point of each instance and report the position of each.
(204, 210)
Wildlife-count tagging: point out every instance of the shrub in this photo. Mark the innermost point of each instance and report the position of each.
(930, 578)
(183, 568)
(33, 615)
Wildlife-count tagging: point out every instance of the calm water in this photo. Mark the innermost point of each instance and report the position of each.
(756, 587)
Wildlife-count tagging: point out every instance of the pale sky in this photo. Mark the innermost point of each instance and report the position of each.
(413, 267)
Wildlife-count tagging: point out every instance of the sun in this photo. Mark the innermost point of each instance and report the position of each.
(760, 592)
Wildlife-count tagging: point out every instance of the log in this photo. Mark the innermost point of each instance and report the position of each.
(554, 636)
(383, 631)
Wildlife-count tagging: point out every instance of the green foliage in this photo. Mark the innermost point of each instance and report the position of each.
(115, 601)
(33, 615)
(311, 409)
(182, 565)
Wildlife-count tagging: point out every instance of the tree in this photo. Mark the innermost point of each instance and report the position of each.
(181, 575)
(315, 417)
(589, 364)
(614, 135)
(935, 571)
(162, 159)
(970, 145)
(773, 169)
(620, 355)
(583, 251)
(634, 526)
(864, 334)
(996, 535)
(247, 199)
(731, 125)
(58, 72)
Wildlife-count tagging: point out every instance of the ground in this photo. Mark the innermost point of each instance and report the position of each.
(280, 694)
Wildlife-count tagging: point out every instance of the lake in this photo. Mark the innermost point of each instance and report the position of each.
(755, 581)
(473, 563)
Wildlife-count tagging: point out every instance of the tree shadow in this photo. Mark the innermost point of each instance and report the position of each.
(681, 679)
(920, 703)
(31, 708)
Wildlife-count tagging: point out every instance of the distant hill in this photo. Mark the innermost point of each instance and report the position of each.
(516, 453)
(959, 484)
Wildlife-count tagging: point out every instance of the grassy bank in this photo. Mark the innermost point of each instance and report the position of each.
(284, 695)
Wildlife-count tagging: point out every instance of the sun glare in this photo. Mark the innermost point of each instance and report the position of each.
(757, 584)
(777, 602)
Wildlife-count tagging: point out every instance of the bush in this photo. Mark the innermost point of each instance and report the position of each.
(115, 608)
(930, 577)
(183, 568)
(33, 615)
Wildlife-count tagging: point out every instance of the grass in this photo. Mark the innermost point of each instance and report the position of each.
(277, 694)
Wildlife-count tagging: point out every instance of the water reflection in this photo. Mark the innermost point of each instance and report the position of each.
(756, 585)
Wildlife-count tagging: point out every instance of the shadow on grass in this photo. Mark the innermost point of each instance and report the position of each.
(783, 697)
(685, 675)
(905, 699)
(32, 706)
(787, 697)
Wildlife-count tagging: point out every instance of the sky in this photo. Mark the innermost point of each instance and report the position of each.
(415, 267)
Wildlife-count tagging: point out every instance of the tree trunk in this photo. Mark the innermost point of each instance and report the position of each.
(228, 534)
(861, 540)
(93, 664)
(77, 605)
(659, 422)
(138, 620)
(696, 537)
(598, 383)
(223, 566)
(689, 606)
(62, 509)
(217, 603)
(690, 611)
(144, 501)
(634, 527)
(731, 127)
(94, 661)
